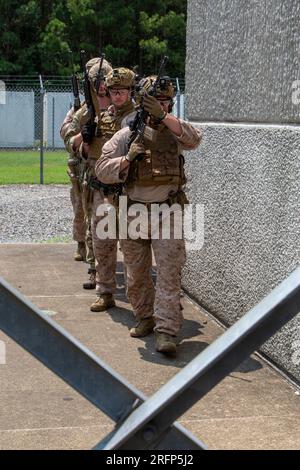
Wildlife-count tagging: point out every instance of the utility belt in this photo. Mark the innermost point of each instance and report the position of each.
(178, 197)
(106, 188)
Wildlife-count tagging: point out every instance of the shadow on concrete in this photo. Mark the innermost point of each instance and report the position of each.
(190, 328)
(122, 315)
(186, 351)
(249, 365)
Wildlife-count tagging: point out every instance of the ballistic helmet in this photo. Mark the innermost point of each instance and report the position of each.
(164, 88)
(93, 71)
(91, 62)
(120, 77)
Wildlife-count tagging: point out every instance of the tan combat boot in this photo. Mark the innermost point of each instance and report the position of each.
(142, 328)
(91, 284)
(103, 302)
(80, 253)
(165, 343)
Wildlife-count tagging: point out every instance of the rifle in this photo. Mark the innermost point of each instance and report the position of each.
(138, 126)
(75, 89)
(88, 131)
(87, 88)
(99, 76)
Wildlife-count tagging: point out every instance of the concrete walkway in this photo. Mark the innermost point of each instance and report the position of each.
(253, 408)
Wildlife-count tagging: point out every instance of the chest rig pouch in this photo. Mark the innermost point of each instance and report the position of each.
(108, 124)
(106, 128)
(162, 163)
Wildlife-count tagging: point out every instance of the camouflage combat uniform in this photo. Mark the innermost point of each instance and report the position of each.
(76, 190)
(105, 250)
(79, 120)
(156, 178)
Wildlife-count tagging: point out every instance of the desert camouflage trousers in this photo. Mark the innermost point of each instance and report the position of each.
(87, 203)
(105, 250)
(78, 220)
(163, 300)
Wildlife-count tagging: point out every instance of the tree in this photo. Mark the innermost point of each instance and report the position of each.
(37, 36)
(54, 48)
(170, 28)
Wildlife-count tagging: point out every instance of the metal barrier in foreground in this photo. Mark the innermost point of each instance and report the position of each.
(145, 423)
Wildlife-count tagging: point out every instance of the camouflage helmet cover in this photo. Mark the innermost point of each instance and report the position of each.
(164, 87)
(94, 69)
(91, 62)
(121, 77)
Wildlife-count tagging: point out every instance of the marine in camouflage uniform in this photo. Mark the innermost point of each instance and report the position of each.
(74, 143)
(157, 177)
(119, 83)
(75, 193)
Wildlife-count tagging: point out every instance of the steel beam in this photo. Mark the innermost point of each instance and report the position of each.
(75, 364)
(147, 424)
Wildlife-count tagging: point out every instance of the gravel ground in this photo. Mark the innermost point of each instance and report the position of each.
(35, 213)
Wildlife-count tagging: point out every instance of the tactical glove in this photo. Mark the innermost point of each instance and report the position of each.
(88, 132)
(153, 107)
(136, 148)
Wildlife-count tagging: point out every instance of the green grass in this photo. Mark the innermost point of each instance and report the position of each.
(59, 239)
(23, 167)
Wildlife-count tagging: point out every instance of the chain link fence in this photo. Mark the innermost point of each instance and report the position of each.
(33, 108)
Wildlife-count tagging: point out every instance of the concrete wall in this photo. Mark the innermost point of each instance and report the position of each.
(17, 120)
(242, 60)
(20, 119)
(57, 106)
(25, 133)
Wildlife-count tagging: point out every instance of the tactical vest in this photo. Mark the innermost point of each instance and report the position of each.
(108, 124)
(162, 164)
